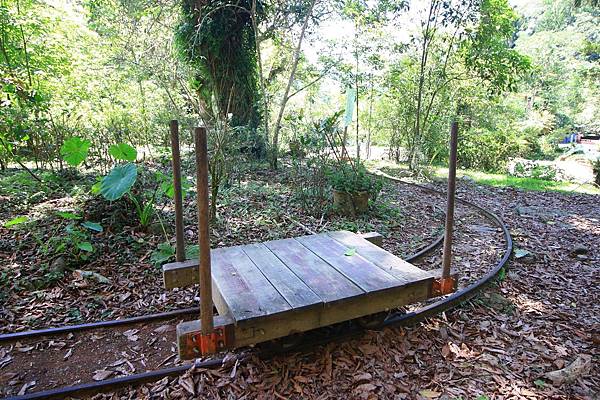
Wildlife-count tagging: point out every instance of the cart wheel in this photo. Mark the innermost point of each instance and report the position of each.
(373, 321)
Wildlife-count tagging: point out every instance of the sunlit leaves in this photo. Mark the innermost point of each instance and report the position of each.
(16, 221)
(488, 53)
(85, 246)
(75, 150)
(68, 215)
(123, 151)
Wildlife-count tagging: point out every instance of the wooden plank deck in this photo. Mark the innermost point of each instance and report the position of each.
(279, 287)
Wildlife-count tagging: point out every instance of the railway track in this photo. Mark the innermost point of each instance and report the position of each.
(339, 332)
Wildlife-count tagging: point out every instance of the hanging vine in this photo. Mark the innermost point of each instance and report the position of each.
(218, 40)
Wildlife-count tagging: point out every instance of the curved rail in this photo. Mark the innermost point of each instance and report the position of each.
(469, 291)
(404, 319)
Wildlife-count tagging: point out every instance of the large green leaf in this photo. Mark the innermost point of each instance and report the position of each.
(118, 181)
(163, 253)
(74, 150)
(123, 151)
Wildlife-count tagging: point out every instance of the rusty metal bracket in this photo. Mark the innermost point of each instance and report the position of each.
(442, 286)
(192, 343)
(212, 342)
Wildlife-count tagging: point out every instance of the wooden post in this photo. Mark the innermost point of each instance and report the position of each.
(206, 304)
(447, 257)
(179, 238)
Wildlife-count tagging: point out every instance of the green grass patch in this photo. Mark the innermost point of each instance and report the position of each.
(489, 179)
(499, 180)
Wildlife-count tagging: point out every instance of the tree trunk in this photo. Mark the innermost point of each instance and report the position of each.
(260, 73)
(285, 98)
(412, 160)
(368, 150)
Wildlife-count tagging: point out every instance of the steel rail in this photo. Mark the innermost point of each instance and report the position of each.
(399, 319)
(96, 387)
(9, 337)
(471, 290)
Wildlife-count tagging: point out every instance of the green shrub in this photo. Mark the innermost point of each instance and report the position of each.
(485, 150)
(352, 178)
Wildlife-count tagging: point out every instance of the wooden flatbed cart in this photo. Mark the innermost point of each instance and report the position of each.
(269, 290)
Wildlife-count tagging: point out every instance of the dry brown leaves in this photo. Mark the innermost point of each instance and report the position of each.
(504, 345)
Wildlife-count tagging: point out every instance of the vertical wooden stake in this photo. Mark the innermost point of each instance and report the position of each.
(179, 238)
(447, 257)
(206, 304)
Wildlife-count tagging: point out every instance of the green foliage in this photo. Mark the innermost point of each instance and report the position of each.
(165, 253)
(539, 383)
(352, 178)
(502, 180)
(167, 185)
(76, 77)
(123, 151)
(75, 150)
(217, 39)
(486, 150)
(68, 215)
(118, 182)
(488, 54)
(144, 209)
(74, 244)
(27, 57)
(311, 161)
(563, 92)
(502, 274)
(16, 221)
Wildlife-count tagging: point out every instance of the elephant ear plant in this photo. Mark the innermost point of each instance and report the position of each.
(74, 150)
(119, 181)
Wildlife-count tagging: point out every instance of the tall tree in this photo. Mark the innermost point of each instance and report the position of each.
(218, 39)
(474, 33)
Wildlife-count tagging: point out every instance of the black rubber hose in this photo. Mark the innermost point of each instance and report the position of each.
(467, 292)
(96, 325)
(95, 387)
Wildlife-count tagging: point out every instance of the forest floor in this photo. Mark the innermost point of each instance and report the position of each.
(542, 317)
